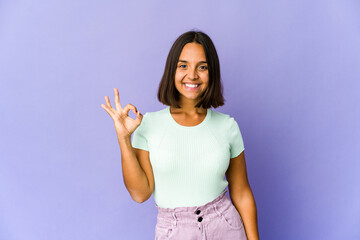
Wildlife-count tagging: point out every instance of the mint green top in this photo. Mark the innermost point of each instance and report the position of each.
(188, 162)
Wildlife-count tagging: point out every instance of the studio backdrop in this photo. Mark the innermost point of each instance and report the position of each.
(290, 71)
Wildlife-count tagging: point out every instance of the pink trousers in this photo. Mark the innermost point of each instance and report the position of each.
(217, 219)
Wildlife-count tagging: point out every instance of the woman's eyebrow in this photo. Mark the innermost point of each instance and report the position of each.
(187, 61)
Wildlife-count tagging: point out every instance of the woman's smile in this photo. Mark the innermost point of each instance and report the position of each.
(191, 87)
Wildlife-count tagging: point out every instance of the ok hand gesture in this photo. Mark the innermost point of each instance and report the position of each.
(124, 125)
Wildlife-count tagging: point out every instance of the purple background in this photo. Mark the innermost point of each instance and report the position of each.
(290, 70)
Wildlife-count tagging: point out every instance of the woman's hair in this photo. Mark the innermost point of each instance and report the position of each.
(213, 95)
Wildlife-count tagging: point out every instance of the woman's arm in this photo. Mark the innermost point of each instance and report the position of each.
(136, 167)
(137, 171)
(241, 195)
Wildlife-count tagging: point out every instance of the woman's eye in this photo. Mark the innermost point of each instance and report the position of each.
(203, 67)
(182, 66)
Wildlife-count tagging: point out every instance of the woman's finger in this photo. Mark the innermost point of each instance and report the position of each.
(139, 116)
(108, 110)
(117, 100)
(107, 100)
(129, 107)
(109, 107)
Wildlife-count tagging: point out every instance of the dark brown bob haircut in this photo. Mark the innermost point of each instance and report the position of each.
(213, 95)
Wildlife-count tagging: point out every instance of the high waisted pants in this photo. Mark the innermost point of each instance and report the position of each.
(217, 219)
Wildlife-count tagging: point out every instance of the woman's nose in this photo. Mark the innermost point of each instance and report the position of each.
(192, 74)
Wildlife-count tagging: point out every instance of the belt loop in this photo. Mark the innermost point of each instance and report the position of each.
(175, 219)
(218, 213)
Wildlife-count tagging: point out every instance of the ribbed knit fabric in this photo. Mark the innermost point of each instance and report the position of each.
(189, 163)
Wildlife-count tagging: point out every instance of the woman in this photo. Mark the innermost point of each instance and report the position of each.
(183, 152)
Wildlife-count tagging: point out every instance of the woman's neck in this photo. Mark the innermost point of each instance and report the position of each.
(189, 108)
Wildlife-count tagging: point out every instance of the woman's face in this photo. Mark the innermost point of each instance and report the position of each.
(192, 69)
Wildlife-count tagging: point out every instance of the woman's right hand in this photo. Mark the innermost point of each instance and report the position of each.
(124, 124)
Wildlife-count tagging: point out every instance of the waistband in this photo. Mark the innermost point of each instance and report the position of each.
(196, 215)
(218, 199)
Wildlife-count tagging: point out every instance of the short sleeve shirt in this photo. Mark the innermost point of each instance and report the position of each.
(188, 162)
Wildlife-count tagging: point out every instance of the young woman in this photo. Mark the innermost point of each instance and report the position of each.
(183, 153)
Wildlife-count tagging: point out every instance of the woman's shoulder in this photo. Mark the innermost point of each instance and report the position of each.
(220, 116)
(224, 122)
(156, 113)
(156, 116)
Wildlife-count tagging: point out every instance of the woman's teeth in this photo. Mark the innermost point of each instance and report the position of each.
(192, 85)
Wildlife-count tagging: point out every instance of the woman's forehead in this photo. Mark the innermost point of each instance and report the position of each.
(191, 52)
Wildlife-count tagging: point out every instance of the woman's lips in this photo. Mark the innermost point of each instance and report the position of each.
(192, 88)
